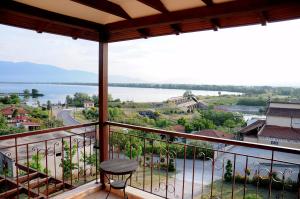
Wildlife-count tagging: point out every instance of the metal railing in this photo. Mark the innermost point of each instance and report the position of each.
(41, 163)
(180, 165)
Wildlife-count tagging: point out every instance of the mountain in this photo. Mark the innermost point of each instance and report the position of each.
(31, 72)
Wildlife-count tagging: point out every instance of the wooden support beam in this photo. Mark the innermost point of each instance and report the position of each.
(25, 178)
(39, 183)
(103, 106)
(206, 13)
(9, 193)
(155, 4)
(48, 17)
(53, 189)
(105, 6)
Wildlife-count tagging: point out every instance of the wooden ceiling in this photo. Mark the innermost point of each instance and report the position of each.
(119, 20)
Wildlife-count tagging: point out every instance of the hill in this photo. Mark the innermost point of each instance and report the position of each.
(31, 72)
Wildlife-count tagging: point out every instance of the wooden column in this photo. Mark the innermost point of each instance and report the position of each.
(103, 105)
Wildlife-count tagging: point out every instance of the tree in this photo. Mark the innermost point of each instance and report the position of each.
(188, 127)
(3, 122)
(66, 164)
(188, 94)
(26, 93)
(15, 113)
(182, 121)
(34, 92)
(49, 105)
(228, 173)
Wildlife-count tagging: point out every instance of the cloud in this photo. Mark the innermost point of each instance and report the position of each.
(251, 55)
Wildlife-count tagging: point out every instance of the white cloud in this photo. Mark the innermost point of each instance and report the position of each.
(252, 55)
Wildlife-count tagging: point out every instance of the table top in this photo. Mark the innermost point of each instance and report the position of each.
(119, 166)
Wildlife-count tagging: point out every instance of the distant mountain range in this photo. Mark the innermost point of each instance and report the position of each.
(31, 72)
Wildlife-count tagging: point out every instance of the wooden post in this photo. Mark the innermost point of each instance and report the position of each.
(103, 105)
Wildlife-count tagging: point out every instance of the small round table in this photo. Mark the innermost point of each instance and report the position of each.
(118, 167)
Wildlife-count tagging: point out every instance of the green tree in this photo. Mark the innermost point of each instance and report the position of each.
(188, 127)
(15, 113)
(228, 172)
(26, 93)
(3, 122)
(49, 105)
(182, 121)
(69, 154)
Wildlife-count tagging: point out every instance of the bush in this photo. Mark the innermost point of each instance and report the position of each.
(253, 196)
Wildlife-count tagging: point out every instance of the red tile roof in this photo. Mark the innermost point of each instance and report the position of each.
(215, 133)
(10, 110)
(283, 112)
(280, 132)
(255, 125)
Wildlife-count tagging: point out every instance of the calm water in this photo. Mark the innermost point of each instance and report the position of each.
(58, 93)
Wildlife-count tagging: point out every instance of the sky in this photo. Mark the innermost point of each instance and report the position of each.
(250, 55)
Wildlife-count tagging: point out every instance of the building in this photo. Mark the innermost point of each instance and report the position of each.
(15, 114)
(187, 104)
(18, 117)
(113, 21)
(88, 104)
(281, 127)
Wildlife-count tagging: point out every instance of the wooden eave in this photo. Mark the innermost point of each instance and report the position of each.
(210, 17)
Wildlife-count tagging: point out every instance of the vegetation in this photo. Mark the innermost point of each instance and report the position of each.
(253, 90)
(69, 154)
(12, 99)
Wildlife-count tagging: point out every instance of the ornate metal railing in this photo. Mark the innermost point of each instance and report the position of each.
(39, 164)
(179, 165)
(171, 164)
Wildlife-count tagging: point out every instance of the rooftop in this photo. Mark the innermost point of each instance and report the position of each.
(280, 132)
(117, 20)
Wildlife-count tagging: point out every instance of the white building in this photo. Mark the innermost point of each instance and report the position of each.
(281, 127)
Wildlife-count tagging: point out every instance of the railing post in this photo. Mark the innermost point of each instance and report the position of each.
(103, 105)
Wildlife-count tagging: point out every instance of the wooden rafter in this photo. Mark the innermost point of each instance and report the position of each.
(105, 6)
(205, 13)
(155, 4)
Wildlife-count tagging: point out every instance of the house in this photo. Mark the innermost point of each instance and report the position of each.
(281, 127)
(187, 104)
(88, 104)
(15, 114)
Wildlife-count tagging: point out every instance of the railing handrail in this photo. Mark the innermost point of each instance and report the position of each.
(44, 131)
(207, 138)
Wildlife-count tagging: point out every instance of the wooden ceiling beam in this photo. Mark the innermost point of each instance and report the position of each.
(206, 13)
(13, 7)
(105, 6)
(155, 4)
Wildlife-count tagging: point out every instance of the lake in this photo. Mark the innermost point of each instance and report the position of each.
(57, 93)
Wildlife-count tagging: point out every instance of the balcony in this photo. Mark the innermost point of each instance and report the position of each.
(59, 163)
